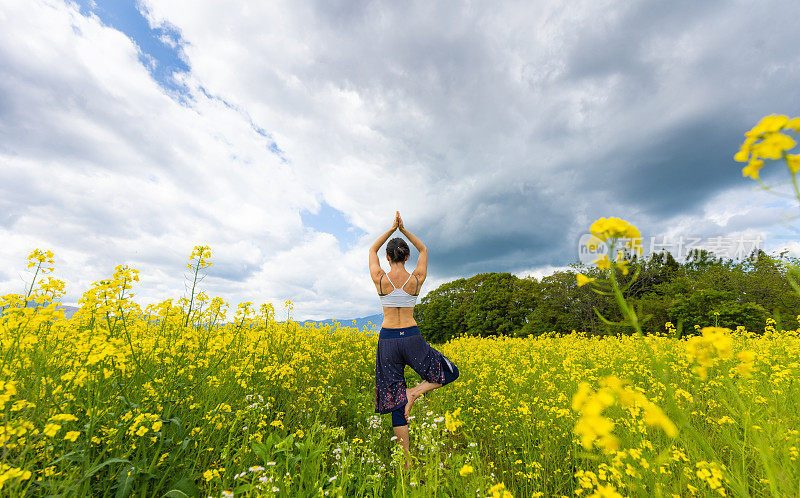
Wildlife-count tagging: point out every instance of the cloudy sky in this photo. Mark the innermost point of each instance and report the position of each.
(285, 134)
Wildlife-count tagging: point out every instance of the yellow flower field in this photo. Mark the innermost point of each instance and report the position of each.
(178, 400)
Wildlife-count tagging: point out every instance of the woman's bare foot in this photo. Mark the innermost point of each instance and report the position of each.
(412, 397)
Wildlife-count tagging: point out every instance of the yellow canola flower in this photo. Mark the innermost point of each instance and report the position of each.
(499, 491)
(747, 359)
(518, 386)
(793, 162)
(772, 146)
(765, 141)
(603, 262)
(50, 430)
(768, 124)
(202, 253)
(63, 417)
(583, 279)
(593, 243)
(715, 342)
(8, 473)
(594, 428)
(607, 491)
(610, 228)
(614, 228)
(42, 258)
(451, 422)
(711, 473)
(622, 264)
(793, 124)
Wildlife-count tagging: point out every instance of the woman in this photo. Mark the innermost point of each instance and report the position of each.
(399, 341)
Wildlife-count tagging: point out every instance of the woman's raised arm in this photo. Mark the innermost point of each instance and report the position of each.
(422, 263)
(374, 264)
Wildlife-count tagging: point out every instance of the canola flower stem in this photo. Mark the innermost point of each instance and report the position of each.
(194, 285)
(762, 452)
(660, 367)
(30, 290)
(633, 278)
(745, 412)
(621, 301)
(794, 184)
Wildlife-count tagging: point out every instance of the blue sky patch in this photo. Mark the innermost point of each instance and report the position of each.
(160, 52)
(330, 220)
(160, 47)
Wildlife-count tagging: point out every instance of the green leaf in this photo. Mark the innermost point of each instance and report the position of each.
(125, 480)
(184, 488)
(174, 493)
(793, 283)
(609, 322)
(75, 456)
(178, 425)
(96, 468)
(248, 486)
(271, 440)
(260, 449)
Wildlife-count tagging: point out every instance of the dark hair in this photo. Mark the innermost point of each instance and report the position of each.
(398, 250)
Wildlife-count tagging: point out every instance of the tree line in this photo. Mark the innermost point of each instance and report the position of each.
(703, 290)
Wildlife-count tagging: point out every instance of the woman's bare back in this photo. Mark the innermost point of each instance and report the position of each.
(395, 318)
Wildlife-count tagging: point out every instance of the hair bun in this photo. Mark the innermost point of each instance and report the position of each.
(398, 250)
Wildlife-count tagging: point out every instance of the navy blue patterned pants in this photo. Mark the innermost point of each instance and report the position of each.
(396, 349)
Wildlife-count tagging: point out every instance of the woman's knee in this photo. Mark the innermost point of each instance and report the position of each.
(450, 376)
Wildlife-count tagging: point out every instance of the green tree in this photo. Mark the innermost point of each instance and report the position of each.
(708, 307)
(485, 304)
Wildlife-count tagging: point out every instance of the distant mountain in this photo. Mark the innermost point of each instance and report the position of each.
(361, 323)
(68, 311)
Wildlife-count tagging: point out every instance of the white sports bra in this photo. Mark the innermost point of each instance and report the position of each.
(398, 298)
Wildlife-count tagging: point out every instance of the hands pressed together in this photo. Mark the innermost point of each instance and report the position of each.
(398, 221)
